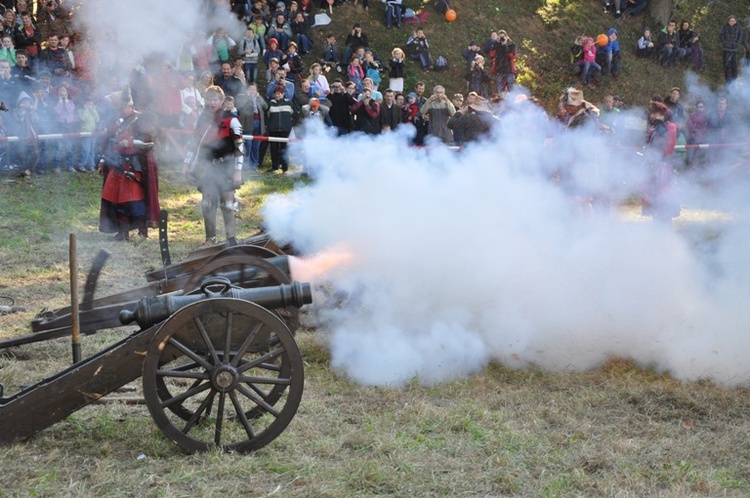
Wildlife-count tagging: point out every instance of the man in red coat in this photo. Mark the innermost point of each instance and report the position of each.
(130, 192)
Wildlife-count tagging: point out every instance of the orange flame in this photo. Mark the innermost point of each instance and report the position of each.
(317, 266)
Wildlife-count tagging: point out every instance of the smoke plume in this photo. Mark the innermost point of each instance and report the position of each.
(458, 259)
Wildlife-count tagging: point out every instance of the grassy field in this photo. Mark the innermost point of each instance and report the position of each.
(616, 431)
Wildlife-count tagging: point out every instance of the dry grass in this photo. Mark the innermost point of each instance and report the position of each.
(616, 431)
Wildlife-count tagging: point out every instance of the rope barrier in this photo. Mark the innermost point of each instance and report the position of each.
(263, 138)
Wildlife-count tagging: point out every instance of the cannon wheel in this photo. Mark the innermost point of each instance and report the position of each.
(214, 352)
(238, 262)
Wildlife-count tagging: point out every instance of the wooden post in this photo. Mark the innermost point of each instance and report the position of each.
(75, 326)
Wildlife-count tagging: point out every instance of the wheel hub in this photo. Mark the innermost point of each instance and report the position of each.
(225, 378)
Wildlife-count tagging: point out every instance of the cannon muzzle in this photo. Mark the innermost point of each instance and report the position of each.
(152, 310)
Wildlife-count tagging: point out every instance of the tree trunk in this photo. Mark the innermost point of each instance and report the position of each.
(661, 10)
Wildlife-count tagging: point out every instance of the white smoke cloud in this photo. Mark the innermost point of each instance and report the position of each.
(124, 32)
(463, 258)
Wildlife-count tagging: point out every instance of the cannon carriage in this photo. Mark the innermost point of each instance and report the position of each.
(215, 349)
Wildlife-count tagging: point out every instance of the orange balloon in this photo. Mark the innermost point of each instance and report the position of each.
(602, 40)
(450, 15)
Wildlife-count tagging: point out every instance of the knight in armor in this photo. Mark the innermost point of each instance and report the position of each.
(130, 195)
(216, 166)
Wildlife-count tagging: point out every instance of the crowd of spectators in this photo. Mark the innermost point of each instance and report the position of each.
(280, 73)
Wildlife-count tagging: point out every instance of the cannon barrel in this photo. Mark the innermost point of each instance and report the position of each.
(152, 310)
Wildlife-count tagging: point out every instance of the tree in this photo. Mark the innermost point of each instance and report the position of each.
(661, 10)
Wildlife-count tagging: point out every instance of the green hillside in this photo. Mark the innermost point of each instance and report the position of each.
(543, 30)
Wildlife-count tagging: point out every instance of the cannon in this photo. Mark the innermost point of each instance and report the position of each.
(219, 369)
(246, 266)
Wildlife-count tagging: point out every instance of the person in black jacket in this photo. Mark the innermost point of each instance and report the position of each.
(341, 100)
(279, 123)
(731, 37)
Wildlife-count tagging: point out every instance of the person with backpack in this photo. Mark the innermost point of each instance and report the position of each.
(418, 48)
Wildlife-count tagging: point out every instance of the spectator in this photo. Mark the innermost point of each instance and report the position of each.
(230, 84)
(260, 32)
(645, 47)
(478, 78)
(418, 48)
(192, 103)
(668, 45)
(8, 52)
(490, 46)
(366, 113)
(53, 18)
(368, 84)
(250, 50)
(341, 100)
(279, 122)
(609, 55)
(372, 69)
(677, 111)
(697, 133)
(576, 54)
(609, 113)
(658, 199)
(292, 62)
(731, 37)
(303, 94)
(612, 5)
(24, 124)
(391, 115)
(438, 109)
(355, 72)
(331, 51)
(68, 48)
(54, 59)
(394, 11)
(365, 4)
(280, 30)
(221, 44)
(281, 81)
(273, 52)
(355, 40)
(316, 111)
(65, 117)
(470, 53)
(721, 122)
(252, 114)
(690, 43)
(318, 82)
(473, 121)
(301, 33)
(10, 23)
(22, 72)
(238, 69)
(504, 63)
(590, 67)
(9, 86)
(396, 73)
(634, 7)
(218, 170)
(419, 122)
(28, 38)
(206, 80)
(261, 13)
(88, 119)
